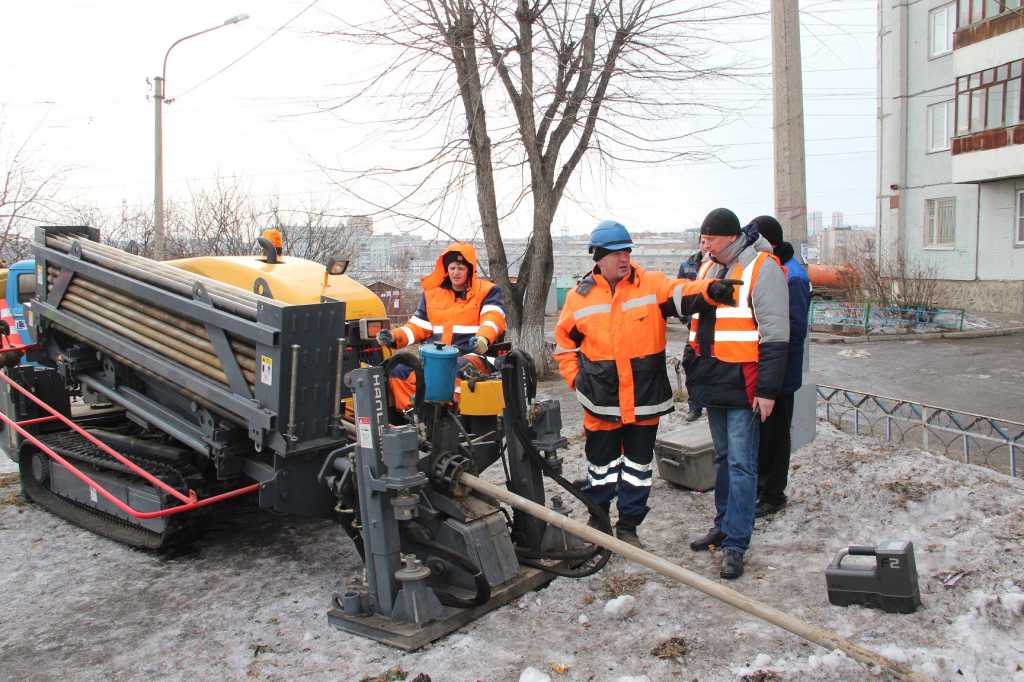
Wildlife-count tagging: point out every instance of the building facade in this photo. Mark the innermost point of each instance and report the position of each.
(951, 146)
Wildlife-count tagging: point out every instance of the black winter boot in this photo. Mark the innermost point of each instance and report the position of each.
(625, 530)
(732, 564)
(713, 537)
(598, 523)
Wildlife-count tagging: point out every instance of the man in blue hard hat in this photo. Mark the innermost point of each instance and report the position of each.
(610, 348)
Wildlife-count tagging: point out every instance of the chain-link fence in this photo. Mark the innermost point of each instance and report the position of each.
(972, 438)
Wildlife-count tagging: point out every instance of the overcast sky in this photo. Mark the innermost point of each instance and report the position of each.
(73, 75)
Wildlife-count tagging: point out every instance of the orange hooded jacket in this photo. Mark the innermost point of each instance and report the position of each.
(454, 317)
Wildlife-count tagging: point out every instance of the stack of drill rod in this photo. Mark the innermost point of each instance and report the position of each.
(176, 338)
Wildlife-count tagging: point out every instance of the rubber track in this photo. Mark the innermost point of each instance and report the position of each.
(179, 529)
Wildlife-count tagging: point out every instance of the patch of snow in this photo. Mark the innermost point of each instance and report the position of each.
(534, 675)
(620, 607)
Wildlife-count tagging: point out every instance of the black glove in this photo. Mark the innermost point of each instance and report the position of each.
(721, 290)
(386, 338)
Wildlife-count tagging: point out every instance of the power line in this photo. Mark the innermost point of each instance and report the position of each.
(250, 50)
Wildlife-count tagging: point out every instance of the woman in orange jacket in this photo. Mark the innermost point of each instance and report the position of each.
(457, 308)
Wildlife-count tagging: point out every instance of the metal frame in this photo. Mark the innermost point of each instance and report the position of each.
(973, 438)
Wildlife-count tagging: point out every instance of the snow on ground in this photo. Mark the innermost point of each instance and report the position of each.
(249, 601)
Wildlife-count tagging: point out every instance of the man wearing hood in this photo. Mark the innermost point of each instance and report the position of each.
(735, 365)
(457, 308)
(774, 450)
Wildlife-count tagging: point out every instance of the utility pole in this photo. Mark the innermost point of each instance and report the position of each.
(159, 238)
(159, 84)
(788, 123)
(791, 177)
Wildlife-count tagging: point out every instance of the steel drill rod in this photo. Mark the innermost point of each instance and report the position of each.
(242, 295)
(191, 395)
(187, 339)
(189, 348)
(240, 348)
(104, 320)
(811, 633)
(149, 275)
(170, 272)
(160, 267)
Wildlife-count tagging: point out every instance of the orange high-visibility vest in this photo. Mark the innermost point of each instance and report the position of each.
(736, 337)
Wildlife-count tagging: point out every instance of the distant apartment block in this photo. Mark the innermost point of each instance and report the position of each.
(951, 145)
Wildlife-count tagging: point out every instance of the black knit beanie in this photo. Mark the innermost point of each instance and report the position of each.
(769, 228)
(721, 222)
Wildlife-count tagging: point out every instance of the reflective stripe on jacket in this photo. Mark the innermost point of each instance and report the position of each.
(611, 343)
(736, 338)
(455, 317)
(717, 382)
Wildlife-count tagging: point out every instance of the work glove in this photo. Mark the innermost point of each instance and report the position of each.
(479, 344)
(721, 291)
(385, 338)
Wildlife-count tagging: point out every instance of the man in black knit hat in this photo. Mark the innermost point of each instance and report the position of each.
(774, 449)
(735, 363)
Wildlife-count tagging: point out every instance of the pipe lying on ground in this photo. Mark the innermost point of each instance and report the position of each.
(811, 633)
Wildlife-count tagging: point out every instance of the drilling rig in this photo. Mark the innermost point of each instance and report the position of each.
(209, 391)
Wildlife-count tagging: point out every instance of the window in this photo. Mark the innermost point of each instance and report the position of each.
(942, 21)
(973, 11)
(939, 118)
(1020, 216)
(995, 106)
(1013, 102)
(989, 99)
(26, 286)
(940, 223)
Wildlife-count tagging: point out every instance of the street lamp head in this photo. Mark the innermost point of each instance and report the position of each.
(236, 19)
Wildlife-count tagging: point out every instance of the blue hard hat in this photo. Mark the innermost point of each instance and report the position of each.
(611, 236)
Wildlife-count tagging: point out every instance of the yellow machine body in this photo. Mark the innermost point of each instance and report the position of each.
(485, 398)
(293, 280)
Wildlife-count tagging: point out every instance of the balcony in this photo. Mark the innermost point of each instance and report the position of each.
(989, 141)
(989, 33)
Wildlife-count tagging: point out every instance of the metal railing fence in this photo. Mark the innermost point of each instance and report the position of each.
(875, 315)
(972, 438)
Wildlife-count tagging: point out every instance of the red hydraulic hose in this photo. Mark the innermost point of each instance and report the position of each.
(189, 502)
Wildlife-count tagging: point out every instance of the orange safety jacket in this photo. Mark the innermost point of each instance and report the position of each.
(610, 344)
(736, 336)
(453, 317)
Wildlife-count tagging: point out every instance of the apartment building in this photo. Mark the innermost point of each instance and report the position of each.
(951, 145)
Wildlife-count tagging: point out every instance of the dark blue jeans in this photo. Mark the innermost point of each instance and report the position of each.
(736, 433)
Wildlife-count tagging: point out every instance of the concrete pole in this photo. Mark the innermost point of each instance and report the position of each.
(791, 177)
(158, 188)
(788, 123)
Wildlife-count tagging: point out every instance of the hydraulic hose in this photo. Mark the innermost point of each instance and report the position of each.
(412, 361)
(514, 413)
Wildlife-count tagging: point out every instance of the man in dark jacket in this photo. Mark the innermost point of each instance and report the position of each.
(735, 364)
(688, 269)
(773, 452)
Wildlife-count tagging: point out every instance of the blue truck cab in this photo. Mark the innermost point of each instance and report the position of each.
(21, 287)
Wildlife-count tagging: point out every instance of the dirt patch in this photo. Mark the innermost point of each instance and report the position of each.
(7, 479)
(673, 648)
(761, 676)
(620, 584)
(910, 491)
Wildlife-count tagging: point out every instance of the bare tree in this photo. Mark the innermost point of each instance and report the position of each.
(28, 194)
(541, 85)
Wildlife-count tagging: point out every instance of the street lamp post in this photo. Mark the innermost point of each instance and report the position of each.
(159, 236)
